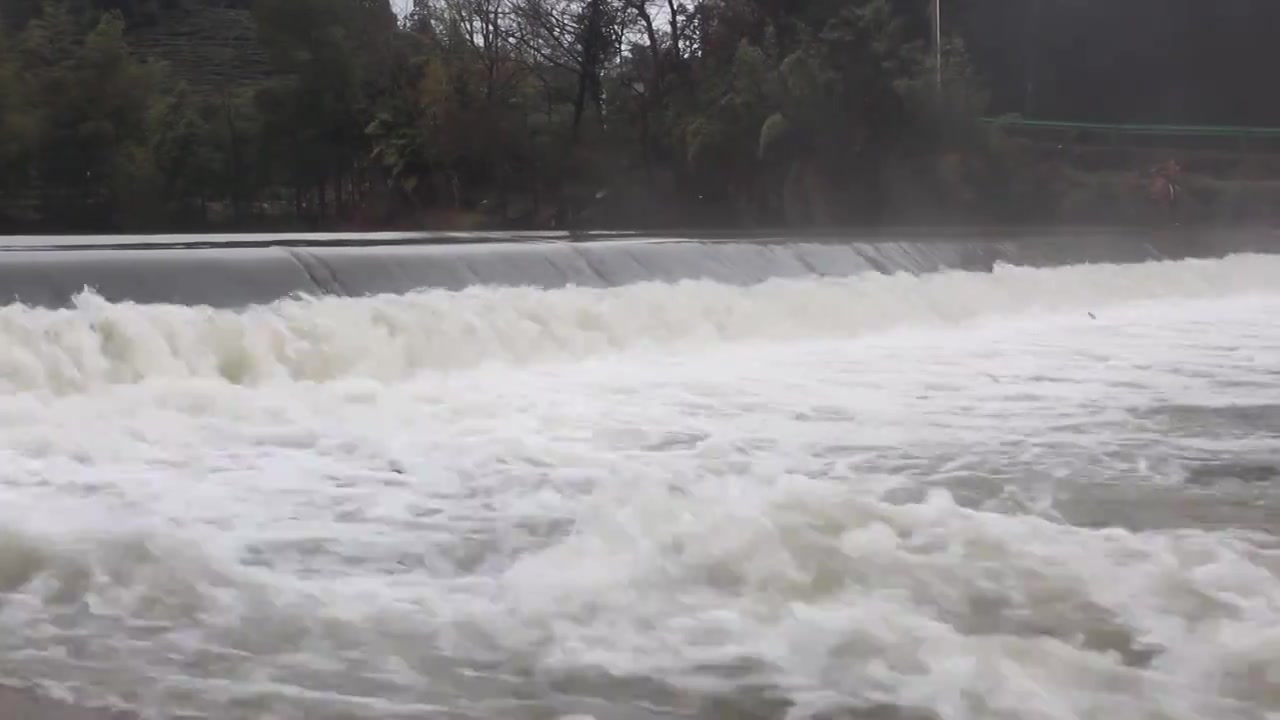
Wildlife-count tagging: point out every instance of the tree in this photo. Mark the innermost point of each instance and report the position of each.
(539, 112)
(90, 158)
(18, 125)
(184, 150)
(330, 55)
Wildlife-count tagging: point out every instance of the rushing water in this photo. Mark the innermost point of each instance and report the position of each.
(1033, 494)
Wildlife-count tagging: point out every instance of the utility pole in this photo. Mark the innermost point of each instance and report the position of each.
(937, 42)
(1031, 58)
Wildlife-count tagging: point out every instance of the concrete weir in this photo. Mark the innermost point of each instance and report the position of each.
(239, 270)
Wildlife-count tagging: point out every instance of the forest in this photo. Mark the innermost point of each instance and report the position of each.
(173, 115)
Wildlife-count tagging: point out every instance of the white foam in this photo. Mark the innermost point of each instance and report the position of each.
(393, 337)
(818, 516)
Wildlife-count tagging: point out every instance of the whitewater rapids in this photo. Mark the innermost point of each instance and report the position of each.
(1032, 494)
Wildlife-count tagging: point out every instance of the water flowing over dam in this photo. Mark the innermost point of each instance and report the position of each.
(232, 271)
(916, 476)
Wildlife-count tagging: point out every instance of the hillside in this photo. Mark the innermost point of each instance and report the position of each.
(212, 48)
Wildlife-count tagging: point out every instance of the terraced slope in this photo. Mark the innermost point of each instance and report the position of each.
(213, 48)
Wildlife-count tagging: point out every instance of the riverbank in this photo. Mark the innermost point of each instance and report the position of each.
(1084, 193)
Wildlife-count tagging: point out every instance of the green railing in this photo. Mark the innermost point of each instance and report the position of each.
(1220, 131)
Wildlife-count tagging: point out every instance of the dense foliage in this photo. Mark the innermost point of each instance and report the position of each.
(181, 114)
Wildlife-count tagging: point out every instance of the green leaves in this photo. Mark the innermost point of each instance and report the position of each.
(18, 126)
(469, 104)
(89, 101)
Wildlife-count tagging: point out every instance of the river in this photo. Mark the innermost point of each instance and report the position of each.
(1032, 494)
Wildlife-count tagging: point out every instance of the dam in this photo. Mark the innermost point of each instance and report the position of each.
(234, 270)
(900, 475)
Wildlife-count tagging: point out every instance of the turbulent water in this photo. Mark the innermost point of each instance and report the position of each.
(1031, 494)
